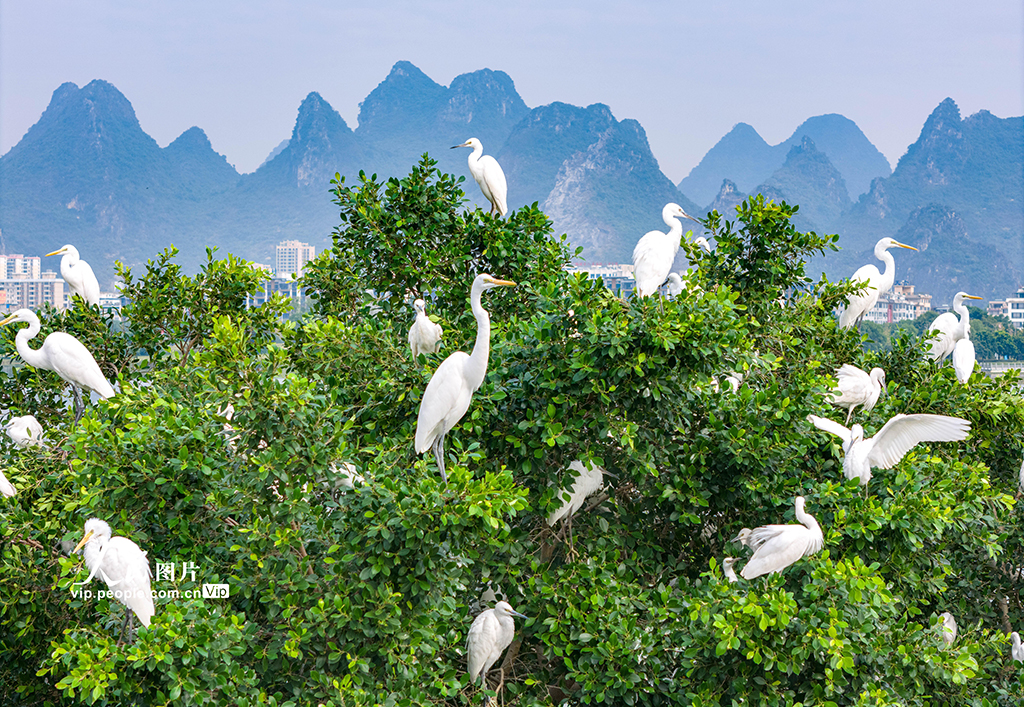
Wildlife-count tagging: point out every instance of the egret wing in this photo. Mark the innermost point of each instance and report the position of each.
(942, 336)
(782, 550)
(963, 360)
(6, 487)
(902, 432)
(650, 264)
(860, 304)
(494, 177)
(832, 427)
(482, 643)
(126, 569)
(70, 360)
(853, 386)
(441, 399)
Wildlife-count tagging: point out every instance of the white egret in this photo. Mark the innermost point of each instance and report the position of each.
(64, 355)
(654, 253)
(878, 283)
(491, 633)
(424, 335)
(345, 476)
(1016, 649)
(451, 388)
(6, 487)
(946, 330)
(856, 388)
(78, 274)
(25, 431)
(891, 443)
(675, 285)
(964, 359)
(727, 569)
(488, 175)
(587, 482)
(776, 547)
(122, 565)
(948, 628)
(703, 243)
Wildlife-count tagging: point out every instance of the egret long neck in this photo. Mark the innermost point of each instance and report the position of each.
(32, 357)
(889, 274)
(965, 317)
(476, 366)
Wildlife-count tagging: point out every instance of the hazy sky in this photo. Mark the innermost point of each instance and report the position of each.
(688, 71)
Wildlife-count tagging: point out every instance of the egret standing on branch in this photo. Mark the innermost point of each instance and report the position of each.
(654, 253)
(122, 565)
(776, 547)
(78, 274)
(25, 431)
(855, 387)
(891, 443)
(491, 633)
(946, 330)
(64, 355)
(451, 388)
(878, 283)
(488, 175)
(424, 335)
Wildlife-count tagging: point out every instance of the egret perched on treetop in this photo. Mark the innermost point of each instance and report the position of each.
(64, 355)
(654, 253)
(891, 443)
(878, 283)
(587, 482)
(855, 387)
(964, 359)
(776, 547)
(488, 175)
(946, 330)
(451, 388)
(490, 634)
(25, 431)
(424, 335)
(122, 565)
(78, 274)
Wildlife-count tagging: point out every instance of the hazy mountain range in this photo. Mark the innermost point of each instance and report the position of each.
(88, 174)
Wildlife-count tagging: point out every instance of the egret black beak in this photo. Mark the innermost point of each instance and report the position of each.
(82, 542)
(465, 144)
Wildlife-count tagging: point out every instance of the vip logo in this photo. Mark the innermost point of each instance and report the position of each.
(216, 591)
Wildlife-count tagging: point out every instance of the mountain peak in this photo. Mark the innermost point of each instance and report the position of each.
(317, 120)
(191, 139)
(406, 100)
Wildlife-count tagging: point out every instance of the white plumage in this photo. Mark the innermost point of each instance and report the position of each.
(743, 538)
(121, 564)
(776, 547)
(891, 443)
(78, 274)
(25, 431)
(6, 487)
(727, 568)
(948, 628)
(61, 353)
(963, 359)
(451, 388)
(424, 335)
(946, 330)
(675, 285)
(878, 283)
(587, 482)
(1016, 649)
(488, 175)
(856, 388)
(491, 633)
(345, 475)
(654, 253)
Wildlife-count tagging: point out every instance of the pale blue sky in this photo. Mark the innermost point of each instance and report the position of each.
(688, 71)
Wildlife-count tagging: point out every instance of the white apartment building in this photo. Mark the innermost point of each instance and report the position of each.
(1013, 307)
(292, 257)
(899, 304)
(23, 283)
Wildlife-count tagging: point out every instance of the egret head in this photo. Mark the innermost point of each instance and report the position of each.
(877, 375)
(887, 243)
(419, 305)
(856, 434)
(486, 282)
(961, 296)
(21, 315)
(728, 562)
(471, 142)
(95, 529)
(742, 537)
(503, 608)
(69, 249)
(672, 209)
(701, 240)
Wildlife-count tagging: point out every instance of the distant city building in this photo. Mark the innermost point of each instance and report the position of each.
(617, 277)
(12, 266)
(997, 308)
(24, 291)
(1015, 308)
(292, 257)
(278, 285)
(899, 304)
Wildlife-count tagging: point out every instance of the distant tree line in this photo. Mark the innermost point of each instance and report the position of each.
(993, 337)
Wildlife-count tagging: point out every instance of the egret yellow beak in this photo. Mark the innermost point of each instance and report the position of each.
(904, 245)
(83, 542)
(8, 320)
(56, 252)
(506, 283)
(972, 297)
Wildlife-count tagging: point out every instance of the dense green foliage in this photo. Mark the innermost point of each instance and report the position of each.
(365, 596)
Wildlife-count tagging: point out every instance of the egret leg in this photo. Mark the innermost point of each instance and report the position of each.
(79, 406)
(849, 414)
(127, 623)
(439, 455)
